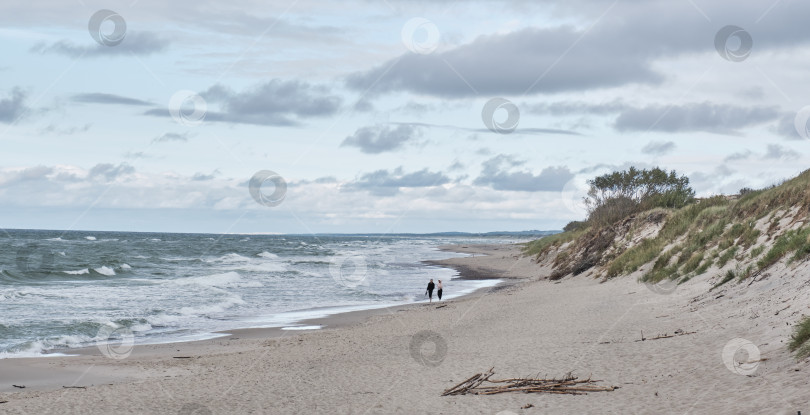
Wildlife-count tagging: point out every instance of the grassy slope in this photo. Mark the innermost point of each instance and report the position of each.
(711, 233)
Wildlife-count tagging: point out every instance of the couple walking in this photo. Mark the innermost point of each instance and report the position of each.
(430, 288)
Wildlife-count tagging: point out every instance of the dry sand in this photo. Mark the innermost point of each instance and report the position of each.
(368, 363)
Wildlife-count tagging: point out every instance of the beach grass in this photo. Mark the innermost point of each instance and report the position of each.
(799, 340)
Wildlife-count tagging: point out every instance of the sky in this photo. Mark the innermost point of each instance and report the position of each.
(386, 116)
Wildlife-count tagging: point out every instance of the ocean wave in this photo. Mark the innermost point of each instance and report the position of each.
(214, 280)
(105, 270)
(90, 238)
(232, 257)
(266, 254)
(78, 272)
(57, 239)
(206, 309)
(263, 267)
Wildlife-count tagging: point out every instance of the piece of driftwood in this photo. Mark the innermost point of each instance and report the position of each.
(666, 335)
(181, 357)
(74, 387)
(569, 385)
(19, 386)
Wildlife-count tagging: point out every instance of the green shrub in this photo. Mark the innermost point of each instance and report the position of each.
(574, 225)
(756, 251)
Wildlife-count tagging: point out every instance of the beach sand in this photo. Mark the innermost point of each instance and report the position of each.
(373, 362)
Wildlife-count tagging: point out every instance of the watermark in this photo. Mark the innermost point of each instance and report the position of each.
(573, 196)
(116, 342)
(420, 36)
(724, 43)
(264, 178)
(801, 122)
(349, 271)
(33, 259)
(741, 356)
(428, 348)
(493, 109)
(663, 287)
(187, 108)
(194, 409)
(98, 26)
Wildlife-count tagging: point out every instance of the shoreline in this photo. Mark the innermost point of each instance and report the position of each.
(36, 373)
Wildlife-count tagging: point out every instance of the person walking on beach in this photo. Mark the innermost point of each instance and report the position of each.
(430, 288)
(439, 288)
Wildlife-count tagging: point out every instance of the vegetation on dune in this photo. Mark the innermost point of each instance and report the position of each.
(649, 219)
(694, 235)
(799, 340)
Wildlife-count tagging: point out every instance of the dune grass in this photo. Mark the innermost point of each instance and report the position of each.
(795, 240)
(542, 245)
(799, 340)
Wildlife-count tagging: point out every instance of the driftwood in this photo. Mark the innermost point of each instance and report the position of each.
(666, 335)
(74, 387)
(19, 386)
(569, 385)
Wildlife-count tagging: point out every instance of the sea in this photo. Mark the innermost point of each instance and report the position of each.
(61, 290)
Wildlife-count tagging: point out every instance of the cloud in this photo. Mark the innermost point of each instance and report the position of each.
(276, 102)
(786, 127)
(172, 137)
(199, 177)
(13, 106)
(564, 108)
(658, 148)
(740, 155)
(494, 175)
(378, 139)
(53, 129)
(102, 98)
(516, 63)
(706, 116)
(777, 152)
(135, 43)
(388, 183)
(110, 172)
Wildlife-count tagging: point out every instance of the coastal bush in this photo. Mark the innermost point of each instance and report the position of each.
(756, 251)
(799, 340)
(574, 225)
(617, 195)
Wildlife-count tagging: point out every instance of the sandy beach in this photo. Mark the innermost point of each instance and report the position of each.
(399, 360)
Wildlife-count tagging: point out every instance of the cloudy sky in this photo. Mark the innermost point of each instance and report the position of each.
(385, 116)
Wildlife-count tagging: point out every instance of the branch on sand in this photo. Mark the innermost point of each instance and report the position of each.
(569, 385)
